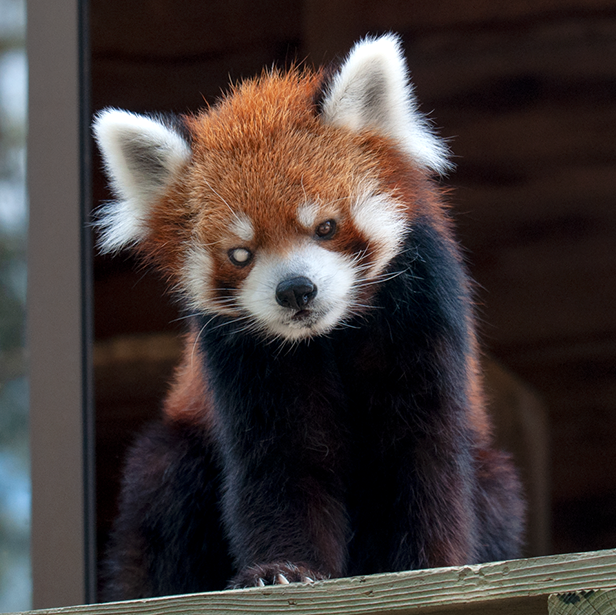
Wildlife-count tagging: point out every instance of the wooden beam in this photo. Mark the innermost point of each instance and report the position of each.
(517, 586)
(521, 428)
(591, 602)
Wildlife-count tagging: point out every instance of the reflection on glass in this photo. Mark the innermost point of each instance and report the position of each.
(15, 572)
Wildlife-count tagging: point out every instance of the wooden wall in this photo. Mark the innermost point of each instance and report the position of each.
(526, 93)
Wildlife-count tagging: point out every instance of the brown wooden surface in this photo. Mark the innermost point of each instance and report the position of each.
(589, 602)
(518, 587)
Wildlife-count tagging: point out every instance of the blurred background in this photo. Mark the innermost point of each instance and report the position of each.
(15, 583)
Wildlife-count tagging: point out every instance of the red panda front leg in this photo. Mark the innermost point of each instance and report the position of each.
(279, 430)
(284, 525)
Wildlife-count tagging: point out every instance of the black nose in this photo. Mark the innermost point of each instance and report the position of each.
(296, 293)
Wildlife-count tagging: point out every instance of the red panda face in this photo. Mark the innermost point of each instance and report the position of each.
(274, 213)
(289, 235)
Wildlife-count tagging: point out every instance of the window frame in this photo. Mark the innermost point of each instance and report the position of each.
(59, 305)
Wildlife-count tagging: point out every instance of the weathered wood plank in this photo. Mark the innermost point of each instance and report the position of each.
(518, 586)
(458, 14)
(590, 602)
(520, 427)
(162, 29)
(178, 87)
(329, 26)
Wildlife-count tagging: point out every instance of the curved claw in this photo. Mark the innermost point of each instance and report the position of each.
(282, 580)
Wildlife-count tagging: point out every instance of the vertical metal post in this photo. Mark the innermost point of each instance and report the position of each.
(58, 305)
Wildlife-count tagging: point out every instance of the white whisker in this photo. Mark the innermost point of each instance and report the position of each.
(192, 354)
(223, 200)
(233, 321)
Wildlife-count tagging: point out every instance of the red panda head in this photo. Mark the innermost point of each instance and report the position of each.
(273, 209)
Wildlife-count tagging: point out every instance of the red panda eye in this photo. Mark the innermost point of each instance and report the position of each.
(240, 256)
(326, 229)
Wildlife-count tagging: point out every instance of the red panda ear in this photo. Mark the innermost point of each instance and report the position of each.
(372, 91)
(142, 156)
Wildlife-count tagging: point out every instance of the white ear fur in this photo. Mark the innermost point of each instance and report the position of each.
(372, 91)
(142, 155)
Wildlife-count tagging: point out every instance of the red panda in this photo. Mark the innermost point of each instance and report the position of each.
(327, 418)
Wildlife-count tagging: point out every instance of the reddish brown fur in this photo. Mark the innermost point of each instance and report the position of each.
(188, 401)
(268, 178)
(230, 141)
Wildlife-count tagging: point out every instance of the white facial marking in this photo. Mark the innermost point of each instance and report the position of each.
(380, 217)
(336, 277)
(241, 227)
(196, 279)
(332, 274)
(307, 214)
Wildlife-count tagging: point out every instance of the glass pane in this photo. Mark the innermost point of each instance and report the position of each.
(15, 575)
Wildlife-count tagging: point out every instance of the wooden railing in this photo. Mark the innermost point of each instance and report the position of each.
(578, 583)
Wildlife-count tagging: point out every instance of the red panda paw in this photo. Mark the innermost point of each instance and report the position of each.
(278, 573)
